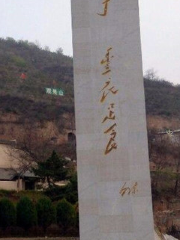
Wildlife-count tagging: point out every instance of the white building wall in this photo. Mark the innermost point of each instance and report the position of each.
(8, 185)
(12, 185)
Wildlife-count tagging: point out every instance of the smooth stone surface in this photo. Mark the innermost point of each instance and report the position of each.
(114, 188)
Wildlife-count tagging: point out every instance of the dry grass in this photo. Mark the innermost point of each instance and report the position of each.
(158, 122)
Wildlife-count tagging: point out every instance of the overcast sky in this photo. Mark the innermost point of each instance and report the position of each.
(49, 23)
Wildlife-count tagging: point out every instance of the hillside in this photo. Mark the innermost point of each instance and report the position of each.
(162, 98)
(43, 69)
(27, 98)
(41, 123)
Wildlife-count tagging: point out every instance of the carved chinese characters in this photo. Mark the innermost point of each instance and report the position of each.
(105, 3)
(109, 89)
(126, 190)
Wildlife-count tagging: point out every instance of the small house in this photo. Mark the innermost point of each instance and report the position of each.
(11, 177)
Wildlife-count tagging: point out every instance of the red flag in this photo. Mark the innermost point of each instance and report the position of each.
(23, 76)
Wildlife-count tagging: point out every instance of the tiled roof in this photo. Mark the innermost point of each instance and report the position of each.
(7, 142)
(7, 174)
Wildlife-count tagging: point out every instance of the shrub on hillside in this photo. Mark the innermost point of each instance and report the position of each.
(66, 214)
(72, 232)
(26, 213)
(7, 213)
(35, 231)
(19, 61)
(55, 193)
(54, 231)
(71, 191)
(46, 213)
(14, 232)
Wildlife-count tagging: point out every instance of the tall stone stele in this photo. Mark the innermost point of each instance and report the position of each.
(113, 170)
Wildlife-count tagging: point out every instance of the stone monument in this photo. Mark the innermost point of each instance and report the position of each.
(112, 154)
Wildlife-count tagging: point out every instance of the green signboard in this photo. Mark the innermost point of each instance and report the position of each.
(55, 91)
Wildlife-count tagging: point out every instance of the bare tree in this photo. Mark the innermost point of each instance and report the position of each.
(32, 145)
(175, 150)
(159, 147)
(151, 74)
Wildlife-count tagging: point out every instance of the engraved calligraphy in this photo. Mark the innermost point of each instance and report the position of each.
(127, 190)
(106, 4)
(109, 89)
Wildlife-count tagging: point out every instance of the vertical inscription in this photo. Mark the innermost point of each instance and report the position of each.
(109, 88)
